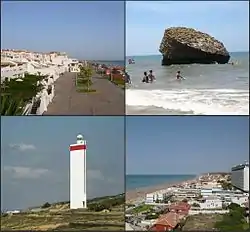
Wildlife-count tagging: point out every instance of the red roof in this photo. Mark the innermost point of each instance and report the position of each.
(170, 219)
(180, 206)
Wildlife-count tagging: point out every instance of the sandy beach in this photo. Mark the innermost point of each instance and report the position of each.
(139, 193)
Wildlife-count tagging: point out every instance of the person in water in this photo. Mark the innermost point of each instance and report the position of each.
(178, 76)
(127, 78)
(151, 77)
(145, 78)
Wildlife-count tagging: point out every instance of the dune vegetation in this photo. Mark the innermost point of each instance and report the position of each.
(105, 213)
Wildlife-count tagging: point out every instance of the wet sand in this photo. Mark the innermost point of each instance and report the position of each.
(139, 194)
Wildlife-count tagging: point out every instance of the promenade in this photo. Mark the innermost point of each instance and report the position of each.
(107, 100)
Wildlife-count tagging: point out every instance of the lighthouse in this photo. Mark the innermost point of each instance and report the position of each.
(78, 193)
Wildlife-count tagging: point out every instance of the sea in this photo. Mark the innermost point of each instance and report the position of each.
(216, 89)
(112, 62)
(140, 181)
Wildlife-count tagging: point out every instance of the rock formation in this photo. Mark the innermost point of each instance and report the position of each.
(181, 45)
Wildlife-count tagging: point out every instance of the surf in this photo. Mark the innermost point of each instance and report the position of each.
(199, 101)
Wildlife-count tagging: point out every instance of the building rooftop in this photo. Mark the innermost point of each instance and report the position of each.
(240, 166)
(169, 219)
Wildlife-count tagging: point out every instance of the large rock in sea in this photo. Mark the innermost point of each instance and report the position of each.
(181, 45)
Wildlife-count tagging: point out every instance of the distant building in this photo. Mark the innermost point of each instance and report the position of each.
(240, 176)
(153, 197)
(206, 192)
(13, 211)
(242, 201)
(74, 66)
(211, 203)
(180, 208)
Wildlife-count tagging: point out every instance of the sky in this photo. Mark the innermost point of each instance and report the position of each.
(84, 29)
(35, 158)
(185, 144)
(227, 21)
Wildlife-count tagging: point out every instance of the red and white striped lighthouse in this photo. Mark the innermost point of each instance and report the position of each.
(78, 192)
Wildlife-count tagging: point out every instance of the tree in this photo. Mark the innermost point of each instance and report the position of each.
(85, 76)
(12, 106)
(46, 205)
(196, 205)
(23, 89)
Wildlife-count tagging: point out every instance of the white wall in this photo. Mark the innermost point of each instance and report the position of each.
(211, 204)
(240, 178)
(246, 179)
(194, 212)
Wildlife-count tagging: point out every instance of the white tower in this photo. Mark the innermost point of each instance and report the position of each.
(78, 193)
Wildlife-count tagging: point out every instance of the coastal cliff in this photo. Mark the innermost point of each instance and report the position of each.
(181, 45)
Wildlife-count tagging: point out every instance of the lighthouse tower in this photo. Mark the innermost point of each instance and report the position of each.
(78, 193)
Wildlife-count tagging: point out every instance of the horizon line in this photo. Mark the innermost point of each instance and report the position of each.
(161, 54)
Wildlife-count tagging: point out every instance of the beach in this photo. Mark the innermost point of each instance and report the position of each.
(138, 194)
(207, 89)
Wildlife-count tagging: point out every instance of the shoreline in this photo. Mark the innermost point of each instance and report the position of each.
(138, 194)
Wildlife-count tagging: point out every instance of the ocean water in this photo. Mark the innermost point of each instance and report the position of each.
(139, 181)
(214, 89)
(112, 62)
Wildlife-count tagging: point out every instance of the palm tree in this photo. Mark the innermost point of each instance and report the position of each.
(11, 106)
(24, 89)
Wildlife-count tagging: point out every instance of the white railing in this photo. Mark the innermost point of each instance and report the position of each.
(45, 98)
(11, 71)
(194, 212)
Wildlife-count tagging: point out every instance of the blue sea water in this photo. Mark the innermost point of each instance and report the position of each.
(140, 181)
(215, 89)
(112, 62)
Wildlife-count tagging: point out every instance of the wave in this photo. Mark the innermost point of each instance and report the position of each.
(198, 101)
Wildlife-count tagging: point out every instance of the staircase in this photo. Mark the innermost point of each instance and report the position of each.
(35, 106)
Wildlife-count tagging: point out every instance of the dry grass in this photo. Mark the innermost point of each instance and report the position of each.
(202, 221)
(60, 217)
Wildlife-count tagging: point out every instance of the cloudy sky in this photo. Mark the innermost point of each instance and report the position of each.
(35, 158)
(146, 21)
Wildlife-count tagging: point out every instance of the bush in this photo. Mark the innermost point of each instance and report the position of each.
(46, 205)
(196, 205)
(106, 203)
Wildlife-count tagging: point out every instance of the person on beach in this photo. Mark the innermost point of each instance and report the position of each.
(178, 76)
(145, 78)
(151, 77)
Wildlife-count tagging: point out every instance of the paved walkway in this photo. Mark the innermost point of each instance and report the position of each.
(107, 100)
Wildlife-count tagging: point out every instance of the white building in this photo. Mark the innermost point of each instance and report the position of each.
(78, 168)
(15, 63)
(206, 192)
(240, 200)
(240, 176)
(156, 196)
(211, 203)
(74, 66)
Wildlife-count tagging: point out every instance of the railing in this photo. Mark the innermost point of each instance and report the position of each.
(8, 72)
